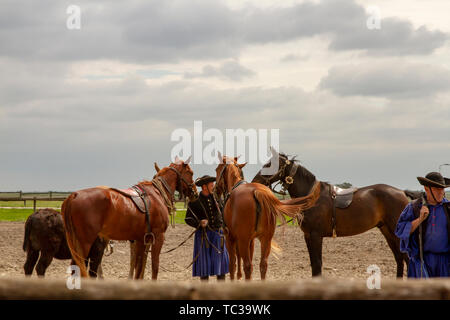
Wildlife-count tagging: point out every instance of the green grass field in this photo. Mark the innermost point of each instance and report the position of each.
(22, 215)
(14, 214)
(29, 203)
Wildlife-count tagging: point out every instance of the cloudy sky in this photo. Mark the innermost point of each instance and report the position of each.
(97, 105)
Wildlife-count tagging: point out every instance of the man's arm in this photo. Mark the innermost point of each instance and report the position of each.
(424, 212)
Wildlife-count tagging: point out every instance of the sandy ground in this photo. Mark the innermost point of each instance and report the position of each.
(346, 257)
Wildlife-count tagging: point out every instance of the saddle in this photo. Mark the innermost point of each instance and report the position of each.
(142, 201)
(135, 194)
(343, 197)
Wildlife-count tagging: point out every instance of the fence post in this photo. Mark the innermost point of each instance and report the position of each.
(34, 204)
(20, 198)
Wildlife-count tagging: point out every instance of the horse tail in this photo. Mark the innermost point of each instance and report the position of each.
(72, 240)
(276, 250)
(413, 195)
(274, 207)
(26, 238)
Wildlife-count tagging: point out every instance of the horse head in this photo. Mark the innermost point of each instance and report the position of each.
(285, 171)
(227, 171)
(185, 181)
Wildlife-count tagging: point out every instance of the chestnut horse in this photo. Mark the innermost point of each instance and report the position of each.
(105, 212)
(250, 212)
(377, 205)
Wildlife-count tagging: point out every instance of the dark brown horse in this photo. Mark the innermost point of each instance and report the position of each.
(377, 205)
(45, 239)
(250, 212)
(105, 212)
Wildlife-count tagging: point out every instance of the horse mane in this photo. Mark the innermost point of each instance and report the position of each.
(293, 159)
(150, 182)
(303, 171)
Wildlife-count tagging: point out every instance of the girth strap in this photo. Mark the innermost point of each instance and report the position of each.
(333, 216)
(144, 196)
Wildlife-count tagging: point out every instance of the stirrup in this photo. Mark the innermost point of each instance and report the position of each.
(152, 242)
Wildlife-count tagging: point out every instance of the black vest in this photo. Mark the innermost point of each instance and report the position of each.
(204, 208)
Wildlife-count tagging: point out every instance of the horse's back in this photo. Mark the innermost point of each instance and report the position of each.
(390, 200)
(385, 191)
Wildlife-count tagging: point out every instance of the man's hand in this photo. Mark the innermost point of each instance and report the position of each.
(424, 212)
(203, 223)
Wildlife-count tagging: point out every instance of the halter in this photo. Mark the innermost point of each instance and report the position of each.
(285, 180)
(225, 192)
(180, 179)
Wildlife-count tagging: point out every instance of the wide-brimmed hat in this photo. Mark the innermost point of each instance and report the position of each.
(203, 180)
(434, 179)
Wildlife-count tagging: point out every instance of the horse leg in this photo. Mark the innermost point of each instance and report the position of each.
(95, 256)
(244, 252)
(144, 260)
(393, 243)
(100, 271)
(314, 244)
(231, 247)
(239, 263)
(132, 259)
(140, 247)
(265, 251)
(252, 248)
(32, 257)
(44, 261)
(156, 250)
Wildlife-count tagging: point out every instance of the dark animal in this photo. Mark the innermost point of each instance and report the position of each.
(377, 205)
(251, 211)
(112, 214)
(413, 194)
(44, 234)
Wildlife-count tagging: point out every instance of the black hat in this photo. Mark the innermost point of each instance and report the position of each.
(203, 180)
(434, 179)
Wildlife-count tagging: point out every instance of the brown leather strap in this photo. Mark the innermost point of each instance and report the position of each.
(333, 216)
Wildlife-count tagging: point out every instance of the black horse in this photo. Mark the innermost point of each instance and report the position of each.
(377, 205)
(44, 233)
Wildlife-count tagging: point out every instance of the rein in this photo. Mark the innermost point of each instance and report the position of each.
(161, 185)
(167, 193)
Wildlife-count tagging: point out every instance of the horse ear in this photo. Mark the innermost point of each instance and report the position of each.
(188, 160)
(157, 167)
(236, 158)
(177, 159)
(219, 155)
(241, 165)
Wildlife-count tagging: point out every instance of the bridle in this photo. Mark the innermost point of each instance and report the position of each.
(221, 176)
(178, 187)
(284, 179)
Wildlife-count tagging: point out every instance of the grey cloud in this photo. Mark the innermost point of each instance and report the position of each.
(86, 134)
(172, 30)
(294, 57)
(229, 70)
(396, 37)
(393, 79)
